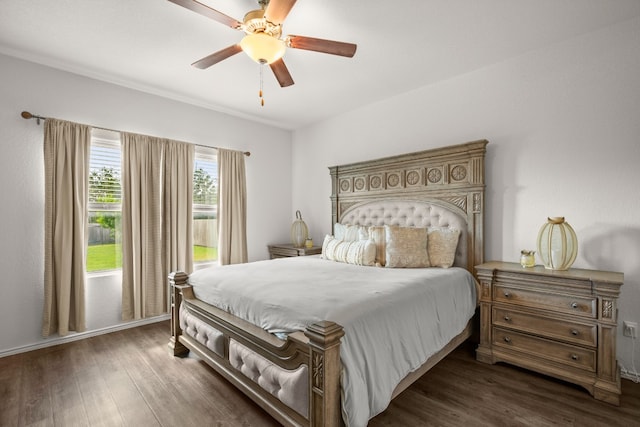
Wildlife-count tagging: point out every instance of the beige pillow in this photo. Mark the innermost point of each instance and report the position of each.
(406, 247)
(348, 233)
(442, 244)
(358, 252)
(379, 236)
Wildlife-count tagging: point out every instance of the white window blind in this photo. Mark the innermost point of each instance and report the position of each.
(105, 192)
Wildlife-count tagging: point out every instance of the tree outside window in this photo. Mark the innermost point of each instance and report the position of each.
(205, 200)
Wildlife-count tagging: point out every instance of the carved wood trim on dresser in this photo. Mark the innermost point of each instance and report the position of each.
(559, 323)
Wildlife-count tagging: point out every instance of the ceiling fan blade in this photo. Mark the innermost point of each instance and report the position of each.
(220, 55)
(282, 73)
(205, 10)
(277, 10)
(321, 45)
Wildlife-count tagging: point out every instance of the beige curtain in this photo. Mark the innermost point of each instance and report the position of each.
(157, 186)
(66, 157)
(177, 215)
(143, 290)
(232, 208)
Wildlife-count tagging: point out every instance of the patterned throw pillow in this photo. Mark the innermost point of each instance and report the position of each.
(358, 252)
(406, 247)
(442, 245)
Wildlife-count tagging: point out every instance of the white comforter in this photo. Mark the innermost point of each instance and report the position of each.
(394, 319)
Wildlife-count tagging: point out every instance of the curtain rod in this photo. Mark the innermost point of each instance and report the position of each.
(28, 115)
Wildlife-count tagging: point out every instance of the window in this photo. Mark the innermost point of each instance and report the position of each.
(105, 196)
(205, 205)
(104, 251)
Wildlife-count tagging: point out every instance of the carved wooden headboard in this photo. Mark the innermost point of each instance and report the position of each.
(449, 178)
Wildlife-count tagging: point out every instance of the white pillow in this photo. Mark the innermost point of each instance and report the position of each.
(378, 235)
(442, 244)
(347, 233)
(358, 252)
(406, 247)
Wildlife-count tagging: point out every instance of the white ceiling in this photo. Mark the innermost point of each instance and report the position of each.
(402, 45)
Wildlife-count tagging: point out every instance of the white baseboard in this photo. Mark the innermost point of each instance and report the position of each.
(629, 375)
(87, 334)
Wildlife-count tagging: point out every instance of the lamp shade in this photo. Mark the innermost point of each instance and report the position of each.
(263, 48)
(299, 231)
(557, 244)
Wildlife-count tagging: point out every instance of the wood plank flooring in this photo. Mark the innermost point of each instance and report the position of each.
(127, 378)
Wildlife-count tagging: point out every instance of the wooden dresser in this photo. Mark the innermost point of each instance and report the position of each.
(559, 323)
(287, 249)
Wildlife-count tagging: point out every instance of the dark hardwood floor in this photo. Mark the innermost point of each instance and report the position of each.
(127, 378)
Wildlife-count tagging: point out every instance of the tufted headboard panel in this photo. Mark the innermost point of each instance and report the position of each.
(410, 213)
(441, 187)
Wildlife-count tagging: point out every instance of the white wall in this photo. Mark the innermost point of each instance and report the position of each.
(49, 92)
(564, 129)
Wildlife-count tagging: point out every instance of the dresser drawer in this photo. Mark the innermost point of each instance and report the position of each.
(566, 354)
(277, 252)
(579, 306)
(573, 332)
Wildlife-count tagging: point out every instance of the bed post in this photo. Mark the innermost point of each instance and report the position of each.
(324, 374)
(177, 281)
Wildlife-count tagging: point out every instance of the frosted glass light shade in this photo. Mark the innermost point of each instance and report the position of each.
(263, 48)
(299, 231)
(557, 244)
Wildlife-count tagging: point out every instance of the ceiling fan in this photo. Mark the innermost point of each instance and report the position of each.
(263, 41)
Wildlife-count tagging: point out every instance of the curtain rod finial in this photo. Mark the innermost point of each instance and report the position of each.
(28, 115)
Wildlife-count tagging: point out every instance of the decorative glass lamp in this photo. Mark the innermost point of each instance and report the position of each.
(299, 231)
(263, 48)
(557, 244)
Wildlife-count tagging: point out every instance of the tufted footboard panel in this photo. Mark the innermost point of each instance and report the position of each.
(291, 387)
(203, 333)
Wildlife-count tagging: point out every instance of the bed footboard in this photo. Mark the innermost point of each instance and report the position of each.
(316, 351)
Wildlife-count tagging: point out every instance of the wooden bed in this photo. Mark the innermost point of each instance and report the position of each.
(448, 180)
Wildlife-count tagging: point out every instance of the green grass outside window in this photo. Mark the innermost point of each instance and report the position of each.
(109, 256)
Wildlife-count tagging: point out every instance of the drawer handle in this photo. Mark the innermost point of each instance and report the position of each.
(574, 305)
(507, 339)
(574, 332)
(574, 357)
(507, 318)
(507, 294)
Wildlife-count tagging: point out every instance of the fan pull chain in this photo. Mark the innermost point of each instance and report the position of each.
(260, 93)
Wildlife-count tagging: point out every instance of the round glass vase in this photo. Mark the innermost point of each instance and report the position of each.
(557, 244)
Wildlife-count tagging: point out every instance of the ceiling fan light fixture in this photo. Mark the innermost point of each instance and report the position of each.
(263, 48)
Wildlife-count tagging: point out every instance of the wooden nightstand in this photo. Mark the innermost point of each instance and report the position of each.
(559, 323)
(286, 250)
